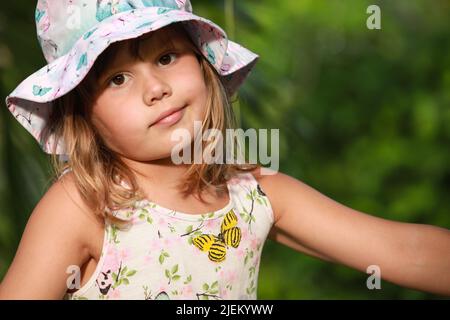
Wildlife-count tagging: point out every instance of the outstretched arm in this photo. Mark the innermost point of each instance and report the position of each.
(408, 254)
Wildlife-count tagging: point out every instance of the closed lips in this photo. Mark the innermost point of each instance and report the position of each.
(166, 114)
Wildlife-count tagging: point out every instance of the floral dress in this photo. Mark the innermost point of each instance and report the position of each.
(167, 254)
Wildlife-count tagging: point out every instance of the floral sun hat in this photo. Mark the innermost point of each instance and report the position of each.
(73, 33)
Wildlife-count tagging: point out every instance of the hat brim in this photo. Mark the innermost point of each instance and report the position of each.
(30, 102)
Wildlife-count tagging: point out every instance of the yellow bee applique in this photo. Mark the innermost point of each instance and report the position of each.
(216, 246)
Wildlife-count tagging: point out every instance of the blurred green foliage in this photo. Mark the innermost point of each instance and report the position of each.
(363, 118)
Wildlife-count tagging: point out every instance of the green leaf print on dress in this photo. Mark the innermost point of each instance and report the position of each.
(122, 276)
(145, 215)
(114, 234)
(109, 281)
(163, 256)
(255, 194)
(251, 288)
(193, 233)
(209, 291)
(172, 274)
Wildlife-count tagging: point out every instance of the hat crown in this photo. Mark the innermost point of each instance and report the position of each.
(60, 23)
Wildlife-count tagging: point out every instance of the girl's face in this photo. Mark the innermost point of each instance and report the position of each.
(135, 93)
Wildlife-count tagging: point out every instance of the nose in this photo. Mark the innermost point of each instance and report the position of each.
(155, 90)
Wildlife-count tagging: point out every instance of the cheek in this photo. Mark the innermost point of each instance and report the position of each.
(116, 120)
(197, 94)
(189, 78)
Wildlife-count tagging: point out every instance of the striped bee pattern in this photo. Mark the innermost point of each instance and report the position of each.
(216, 246)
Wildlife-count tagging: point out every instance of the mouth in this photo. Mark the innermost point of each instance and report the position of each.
(169, 117)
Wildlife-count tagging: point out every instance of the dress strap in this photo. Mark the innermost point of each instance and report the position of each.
(245, 189)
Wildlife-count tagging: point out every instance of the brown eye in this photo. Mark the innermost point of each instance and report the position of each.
(166, 59)
(118, 80)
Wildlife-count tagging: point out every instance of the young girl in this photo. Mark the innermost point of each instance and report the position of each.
(123, 221)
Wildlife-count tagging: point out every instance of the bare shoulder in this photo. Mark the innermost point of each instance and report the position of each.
(62, 203)
(56, 236)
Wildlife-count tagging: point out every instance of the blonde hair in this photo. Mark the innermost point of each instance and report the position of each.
(98, 171)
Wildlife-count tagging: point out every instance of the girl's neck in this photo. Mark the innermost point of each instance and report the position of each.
(162, 172)
(159, 180)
